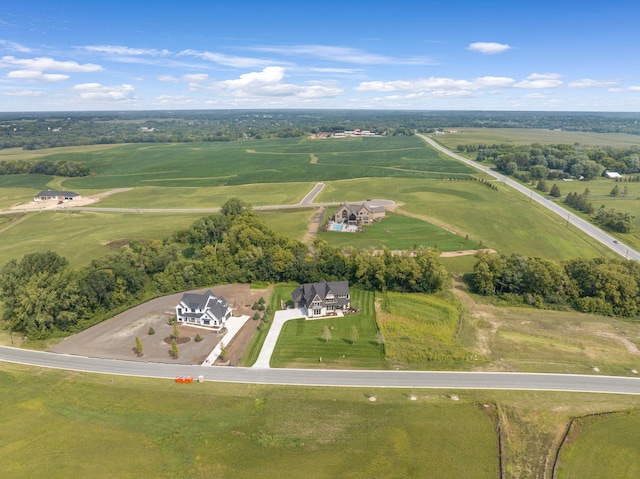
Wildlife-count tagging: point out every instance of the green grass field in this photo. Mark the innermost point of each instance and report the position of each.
(57, 424)
(302, 343)
(81, 236)
(602, 446)
(205, 197)
(399, 232)
(503, 220)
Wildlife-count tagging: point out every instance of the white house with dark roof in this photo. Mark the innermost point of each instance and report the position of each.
(203, 309)
(46, 195)
(320, 299)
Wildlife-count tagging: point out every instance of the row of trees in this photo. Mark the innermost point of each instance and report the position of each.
(611, 218)
(43, 167)
(602, 286)
(42, 294)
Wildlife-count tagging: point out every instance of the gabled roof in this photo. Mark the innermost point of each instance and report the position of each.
(195, 300)
(70, 194)
(306, 293)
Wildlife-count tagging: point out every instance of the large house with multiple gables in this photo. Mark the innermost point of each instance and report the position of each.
(360, 215)
(321, 299)
(203, 309)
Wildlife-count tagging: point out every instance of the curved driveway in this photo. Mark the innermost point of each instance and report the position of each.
(314, 377)
(593, 231)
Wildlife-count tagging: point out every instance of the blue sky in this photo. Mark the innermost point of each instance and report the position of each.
(464, 55)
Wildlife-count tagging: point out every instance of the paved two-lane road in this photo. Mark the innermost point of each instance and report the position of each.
(315, 377)
(593, 231)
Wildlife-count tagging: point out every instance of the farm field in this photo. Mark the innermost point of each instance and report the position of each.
(503, 220)
(524, 136)
(257, 162)
(399, 232)
(302, 342)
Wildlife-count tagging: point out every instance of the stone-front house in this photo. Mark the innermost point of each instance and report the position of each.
(363, 214)
(203, 309)
(322, 298)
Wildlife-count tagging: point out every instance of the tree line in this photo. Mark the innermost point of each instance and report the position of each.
(599, 285)
(42, 295)
(44, 167)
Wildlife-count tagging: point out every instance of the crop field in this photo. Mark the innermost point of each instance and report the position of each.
(503, 220)
(399, 232)
(259, 161)
(302, 342)
(525, 136)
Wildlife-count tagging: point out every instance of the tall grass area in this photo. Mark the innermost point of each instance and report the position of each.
(280, 294)
(421, 331)
(606, 445)
(503, 220)
(56, 424)
(302, 342)
(290, 223)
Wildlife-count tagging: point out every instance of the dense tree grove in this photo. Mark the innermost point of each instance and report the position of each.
(602, 286)
(42, 294)
(43, 167)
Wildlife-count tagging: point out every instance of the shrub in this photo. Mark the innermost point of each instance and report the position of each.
(151, 332)
(198, 338)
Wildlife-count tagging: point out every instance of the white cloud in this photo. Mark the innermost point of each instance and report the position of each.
(231, 61)
(175, 100)
(36, 76)
(25, 93)
(97, 91)
(634, 88)
(541, 80)
(435, 84)
(589, 83)
(13, 46)
(489, 48)
(344, 55)
(535, 96)
(127, 51)
(268, 75)
(270, 83)
(189, 77)
(43, 63)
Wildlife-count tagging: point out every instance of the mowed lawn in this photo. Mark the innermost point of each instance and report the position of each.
(58, 424)
(302, 342)
(503, 220)
(602, 446)
(399, 232)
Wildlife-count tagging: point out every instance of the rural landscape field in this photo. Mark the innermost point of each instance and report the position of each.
(145, 193)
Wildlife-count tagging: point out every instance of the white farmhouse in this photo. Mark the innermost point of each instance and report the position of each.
(203, 309)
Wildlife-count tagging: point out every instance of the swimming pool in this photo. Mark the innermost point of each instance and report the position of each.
(336, 227)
